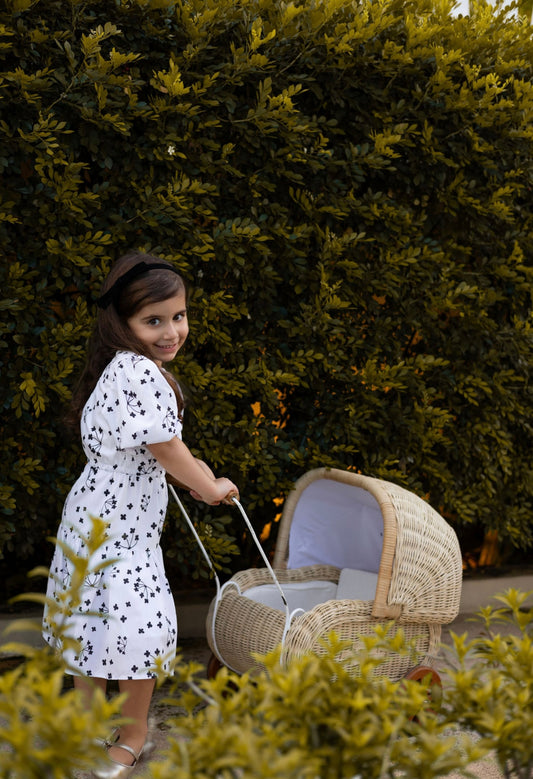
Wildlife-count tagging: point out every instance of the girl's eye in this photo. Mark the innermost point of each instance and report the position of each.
(154, 321)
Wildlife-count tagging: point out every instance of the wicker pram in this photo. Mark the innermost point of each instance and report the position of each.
(352, 552)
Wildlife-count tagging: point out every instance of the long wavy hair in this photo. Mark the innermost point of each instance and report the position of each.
(111, 332)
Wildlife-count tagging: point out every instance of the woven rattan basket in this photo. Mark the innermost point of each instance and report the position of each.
(336, 521)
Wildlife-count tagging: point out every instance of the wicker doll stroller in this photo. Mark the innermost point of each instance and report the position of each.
(352, 552)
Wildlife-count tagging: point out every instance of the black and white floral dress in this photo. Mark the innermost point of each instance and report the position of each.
(127, 617)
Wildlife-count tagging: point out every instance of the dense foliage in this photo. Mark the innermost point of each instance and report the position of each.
(347, 189)
(310, 718)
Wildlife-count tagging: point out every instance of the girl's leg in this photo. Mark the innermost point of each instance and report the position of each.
(135, 708)
(87, 686)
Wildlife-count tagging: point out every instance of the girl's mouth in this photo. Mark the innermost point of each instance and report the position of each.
(167, 347)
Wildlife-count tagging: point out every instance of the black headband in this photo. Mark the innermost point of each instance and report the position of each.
(141, 267)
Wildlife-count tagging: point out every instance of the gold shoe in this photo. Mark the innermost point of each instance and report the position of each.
(113, 769)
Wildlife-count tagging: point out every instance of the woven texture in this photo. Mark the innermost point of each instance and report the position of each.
(419, 587)
(254, 577)
(427, 571)
(244, 628)
(351, 621)
(420, 575)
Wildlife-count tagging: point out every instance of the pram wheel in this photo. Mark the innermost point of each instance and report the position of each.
(430, 677)
(421, 672)
(213, 666)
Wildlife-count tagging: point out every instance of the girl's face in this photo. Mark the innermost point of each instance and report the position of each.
(162, 327)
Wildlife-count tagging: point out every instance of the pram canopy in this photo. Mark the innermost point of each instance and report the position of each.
(335, 523)
(349, 520)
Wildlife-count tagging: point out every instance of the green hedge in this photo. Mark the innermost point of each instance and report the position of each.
(347, 189)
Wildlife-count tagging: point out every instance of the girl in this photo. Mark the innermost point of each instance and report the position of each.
(130, 412)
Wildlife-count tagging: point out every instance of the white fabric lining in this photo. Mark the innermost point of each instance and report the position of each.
(353, 585)
(336, 524)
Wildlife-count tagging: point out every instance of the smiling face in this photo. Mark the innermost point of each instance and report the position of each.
(162, 327)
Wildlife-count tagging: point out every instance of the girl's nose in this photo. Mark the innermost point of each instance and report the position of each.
(171, 331)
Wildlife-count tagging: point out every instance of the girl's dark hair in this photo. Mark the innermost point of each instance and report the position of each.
(111, 332)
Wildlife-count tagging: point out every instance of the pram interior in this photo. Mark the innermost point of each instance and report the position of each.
(334, 523)
(352, 552)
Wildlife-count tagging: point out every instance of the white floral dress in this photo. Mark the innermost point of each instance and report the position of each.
(127, 617)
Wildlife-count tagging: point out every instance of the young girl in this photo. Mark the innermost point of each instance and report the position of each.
(130, 411)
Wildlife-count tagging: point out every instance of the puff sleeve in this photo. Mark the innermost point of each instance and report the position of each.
(147, 406)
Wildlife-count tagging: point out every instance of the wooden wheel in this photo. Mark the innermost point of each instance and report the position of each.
(428, 676)
(213, 666)
(421, 672)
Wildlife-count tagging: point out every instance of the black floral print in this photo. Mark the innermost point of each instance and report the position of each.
(127, 617)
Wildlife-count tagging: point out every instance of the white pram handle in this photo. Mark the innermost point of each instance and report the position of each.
(289, 616)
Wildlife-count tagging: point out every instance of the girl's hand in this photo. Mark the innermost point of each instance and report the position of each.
(228, 500)
(223, 491)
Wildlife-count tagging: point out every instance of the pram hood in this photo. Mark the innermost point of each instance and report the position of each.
(348, 520)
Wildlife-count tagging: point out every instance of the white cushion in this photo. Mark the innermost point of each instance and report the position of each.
(299, 595)
(356, 585)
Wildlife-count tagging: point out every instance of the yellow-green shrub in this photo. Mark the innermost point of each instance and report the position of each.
(491, 687)
(312, 719)
(308, 719)
(45, 731)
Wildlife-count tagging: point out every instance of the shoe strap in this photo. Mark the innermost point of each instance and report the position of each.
(136, 755)
(114, 736)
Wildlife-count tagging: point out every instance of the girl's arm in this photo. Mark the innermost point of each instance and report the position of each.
(176, 483)
(177, 459)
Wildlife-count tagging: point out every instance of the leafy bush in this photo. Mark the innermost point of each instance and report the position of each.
(45, 731)
(492, 695)
(346, 188)
(305, 720)
(312, 719)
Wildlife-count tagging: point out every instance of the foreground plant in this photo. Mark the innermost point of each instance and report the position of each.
(491, 690)
(308, 719)
(46, 731)
(312, 719)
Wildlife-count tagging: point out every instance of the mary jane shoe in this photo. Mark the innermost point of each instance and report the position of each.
(113, 769)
